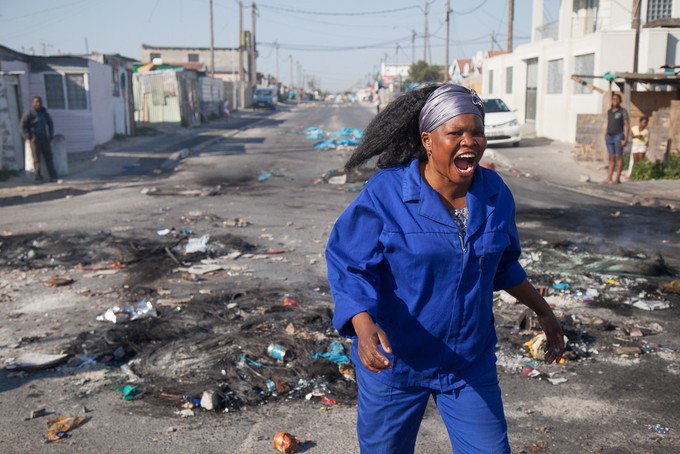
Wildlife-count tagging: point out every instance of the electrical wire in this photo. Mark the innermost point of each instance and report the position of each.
(321, 13)
(471, 10)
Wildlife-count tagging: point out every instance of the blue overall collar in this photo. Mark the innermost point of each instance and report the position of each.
(480, 198)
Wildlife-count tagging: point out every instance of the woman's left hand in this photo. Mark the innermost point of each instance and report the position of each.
(554, 347)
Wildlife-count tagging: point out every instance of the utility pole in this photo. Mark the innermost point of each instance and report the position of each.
(413, 46)
(276, 45)
(87, 48)
(292, 81)
(241, 43)
(511, 19)
(447, 15)
(253, 52)
(212, 42)
(636, 27)
(426, 35)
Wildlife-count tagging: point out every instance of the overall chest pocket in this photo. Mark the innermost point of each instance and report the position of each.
(489, 249)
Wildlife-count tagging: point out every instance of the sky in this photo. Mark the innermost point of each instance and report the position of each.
(340, 44)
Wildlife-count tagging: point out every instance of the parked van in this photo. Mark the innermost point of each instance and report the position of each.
(264, 97)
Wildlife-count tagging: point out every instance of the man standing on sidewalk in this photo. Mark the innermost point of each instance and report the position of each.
(38, 129)
(616, 137)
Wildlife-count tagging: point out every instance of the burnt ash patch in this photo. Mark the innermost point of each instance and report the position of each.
(220, 344)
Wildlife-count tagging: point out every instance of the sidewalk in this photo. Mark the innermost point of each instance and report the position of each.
(121, 157)
(553, 162)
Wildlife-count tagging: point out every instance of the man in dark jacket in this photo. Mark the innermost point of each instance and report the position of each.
(38, 129)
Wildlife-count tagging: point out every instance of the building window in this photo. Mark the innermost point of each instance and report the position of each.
(67, 92)
(75, 89)
(193, 57)
(508, 80)
(659, 9)
(584, 65)
(490, 81)
(54, 91)
(555, 76)
(154, 55)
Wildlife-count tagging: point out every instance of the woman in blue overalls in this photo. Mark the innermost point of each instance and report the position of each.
(412, 265)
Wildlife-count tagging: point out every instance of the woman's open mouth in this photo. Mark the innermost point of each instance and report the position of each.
(465, 163)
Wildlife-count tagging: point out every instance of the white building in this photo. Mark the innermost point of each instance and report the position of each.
(393, 74)
(591, 37)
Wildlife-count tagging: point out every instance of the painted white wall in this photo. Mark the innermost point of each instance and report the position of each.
(613, 48)
(101, 101)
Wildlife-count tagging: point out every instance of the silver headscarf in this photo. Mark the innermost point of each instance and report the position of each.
(446, 102)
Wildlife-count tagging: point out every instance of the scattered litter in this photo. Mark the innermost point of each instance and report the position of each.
(671, 287)
(58, 281)
(348, 143)
(187, 413)
(329, 401)
(124, 314)
(651, 305)
(197, 244)
(129, 392)
(336, 353)
(36, 361)
(329, 144)
(210, 400)
(237, 222)
(36, 414)
(561, 285)
(58, 429)
(277, 351)
(164, 232)
(286, 443)
(275, 251)
(627, 351)
(658, 428)
(538, 375)
(264, 176)
(290, 302)
(201, 268)
(338, 179)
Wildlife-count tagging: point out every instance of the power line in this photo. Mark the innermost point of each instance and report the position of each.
(463, 13)
(321, 13)
(314, 48)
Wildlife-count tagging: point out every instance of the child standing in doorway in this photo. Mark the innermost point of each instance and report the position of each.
(640, 135)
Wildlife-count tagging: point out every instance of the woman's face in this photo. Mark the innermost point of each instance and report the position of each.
(456, 147)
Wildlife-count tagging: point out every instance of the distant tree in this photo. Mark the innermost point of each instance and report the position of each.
(422, 72)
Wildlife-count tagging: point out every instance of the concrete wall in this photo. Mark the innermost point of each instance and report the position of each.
(226, 59)
(590, 144)
(674, 130)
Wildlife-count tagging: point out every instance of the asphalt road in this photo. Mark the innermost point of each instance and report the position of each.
(605, 406)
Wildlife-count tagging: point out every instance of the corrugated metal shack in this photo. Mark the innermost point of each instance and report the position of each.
(211, 94)
(166, 95)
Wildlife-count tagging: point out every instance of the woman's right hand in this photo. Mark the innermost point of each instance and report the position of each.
(369, 336)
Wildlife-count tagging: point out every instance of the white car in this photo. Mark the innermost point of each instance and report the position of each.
(500, 123)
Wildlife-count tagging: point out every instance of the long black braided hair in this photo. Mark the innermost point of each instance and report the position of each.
(393, 135)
